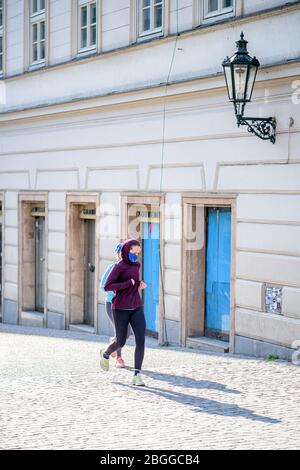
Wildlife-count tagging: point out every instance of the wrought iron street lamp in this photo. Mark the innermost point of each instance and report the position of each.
(240, 73)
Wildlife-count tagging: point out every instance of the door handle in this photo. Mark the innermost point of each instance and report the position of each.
(91, 267)
(42, 259)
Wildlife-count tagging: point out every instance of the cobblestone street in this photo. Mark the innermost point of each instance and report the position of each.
(54, 396)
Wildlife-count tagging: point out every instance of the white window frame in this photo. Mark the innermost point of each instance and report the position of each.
(89, 47)
(152, 32)
(221, 13)
(37, 18)
(2, 29)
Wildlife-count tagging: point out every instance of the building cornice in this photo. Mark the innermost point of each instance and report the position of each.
(198, 30)
(273, 74)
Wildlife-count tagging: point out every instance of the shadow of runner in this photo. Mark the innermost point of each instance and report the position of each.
(188, 382)
(204, 405)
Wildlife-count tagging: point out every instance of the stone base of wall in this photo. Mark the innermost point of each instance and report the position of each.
(10, 314)
(104, 324)
(55, 321)
(34, 319)
(253, 347)
(105, 327)
(172, 328)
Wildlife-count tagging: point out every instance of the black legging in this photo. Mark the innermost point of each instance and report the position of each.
(136, 319)
(110, 314)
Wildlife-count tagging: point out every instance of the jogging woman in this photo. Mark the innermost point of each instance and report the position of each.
(108, 304)
(127, 306)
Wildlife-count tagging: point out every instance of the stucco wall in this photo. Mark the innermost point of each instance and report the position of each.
(114, 143)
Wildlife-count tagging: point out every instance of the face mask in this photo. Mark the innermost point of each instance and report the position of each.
(132, 257)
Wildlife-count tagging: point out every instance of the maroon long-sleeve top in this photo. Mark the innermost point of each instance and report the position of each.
(119, 280)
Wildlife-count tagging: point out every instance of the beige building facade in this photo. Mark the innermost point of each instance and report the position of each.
(114, 121)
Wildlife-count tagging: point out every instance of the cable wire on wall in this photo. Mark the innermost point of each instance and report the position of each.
(161, 172)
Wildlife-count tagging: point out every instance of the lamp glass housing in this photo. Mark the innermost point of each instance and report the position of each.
(240, 73)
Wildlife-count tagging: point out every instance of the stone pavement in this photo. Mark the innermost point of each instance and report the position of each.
(54, 396)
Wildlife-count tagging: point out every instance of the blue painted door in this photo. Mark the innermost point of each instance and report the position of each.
(217, 290)
(39, 263)
(151, 271)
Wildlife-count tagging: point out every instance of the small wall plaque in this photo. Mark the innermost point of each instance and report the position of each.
(273, 299)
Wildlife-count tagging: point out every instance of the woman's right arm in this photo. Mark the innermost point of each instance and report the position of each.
(112, 281)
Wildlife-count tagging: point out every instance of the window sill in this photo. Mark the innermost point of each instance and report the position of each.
(217, 17)
(38, 17)
(150, 35)
(85, 52)
(37, 13)
(37, 65)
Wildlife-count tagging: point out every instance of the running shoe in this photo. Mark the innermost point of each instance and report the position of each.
(104, 363)
(137, 380)
(120, 362)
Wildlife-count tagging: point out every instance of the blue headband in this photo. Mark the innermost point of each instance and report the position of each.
(118, 248)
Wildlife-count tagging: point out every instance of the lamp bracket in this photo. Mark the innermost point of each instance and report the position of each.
(264, 128)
